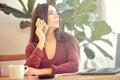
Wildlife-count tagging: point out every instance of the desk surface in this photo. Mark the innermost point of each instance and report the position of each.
(75, 77)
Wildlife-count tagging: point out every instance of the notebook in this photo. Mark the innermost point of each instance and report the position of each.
(108, 70)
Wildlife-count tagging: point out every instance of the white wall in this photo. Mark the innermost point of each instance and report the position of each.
(12, 38)
(112, 13)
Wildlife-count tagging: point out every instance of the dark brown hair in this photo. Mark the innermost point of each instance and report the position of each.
(41, 11)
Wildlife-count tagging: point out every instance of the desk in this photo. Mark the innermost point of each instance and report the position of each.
(76, 77)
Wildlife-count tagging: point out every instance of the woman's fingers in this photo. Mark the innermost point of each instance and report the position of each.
(32, 71)
(40, 23)
(45, 28)
(39, 30)
(43, 23)
(28, 72)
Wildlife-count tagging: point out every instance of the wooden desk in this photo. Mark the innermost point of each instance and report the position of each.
(76, 77)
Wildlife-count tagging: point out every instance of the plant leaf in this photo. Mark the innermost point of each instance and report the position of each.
(100, 28)
(106, 41)
(67, 19)
(89, 53)
(103, 51)
(7, 10)
(51, 1)
(30, 5)
(87, 6)
(24, 8)
(24, 24)
(80, 35)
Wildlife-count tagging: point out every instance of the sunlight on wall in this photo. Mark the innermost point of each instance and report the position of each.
(113, 14)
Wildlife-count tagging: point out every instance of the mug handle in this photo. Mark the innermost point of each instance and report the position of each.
(26, 69)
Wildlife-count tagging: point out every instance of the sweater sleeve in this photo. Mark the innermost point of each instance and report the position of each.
(33, 56)
(72, 64)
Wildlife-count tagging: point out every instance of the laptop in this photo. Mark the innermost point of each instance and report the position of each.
(108, 70)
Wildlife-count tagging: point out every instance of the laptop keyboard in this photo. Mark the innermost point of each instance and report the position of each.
(103, 70)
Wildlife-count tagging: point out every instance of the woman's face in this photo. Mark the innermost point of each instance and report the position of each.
(53, 17)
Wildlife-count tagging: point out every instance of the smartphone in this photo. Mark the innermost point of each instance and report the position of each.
(45, 28)
(46, 76)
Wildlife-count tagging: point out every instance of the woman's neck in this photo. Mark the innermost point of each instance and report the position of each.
(50, 36)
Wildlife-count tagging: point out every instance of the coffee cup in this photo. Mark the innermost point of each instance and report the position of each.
(17, 71)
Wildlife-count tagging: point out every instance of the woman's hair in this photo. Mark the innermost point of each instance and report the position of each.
(41, 11)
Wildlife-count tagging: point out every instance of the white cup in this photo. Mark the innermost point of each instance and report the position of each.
(17, 71)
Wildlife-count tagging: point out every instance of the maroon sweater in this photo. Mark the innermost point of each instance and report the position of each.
(65, 60)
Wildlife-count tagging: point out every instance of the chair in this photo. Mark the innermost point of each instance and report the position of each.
(11, 57)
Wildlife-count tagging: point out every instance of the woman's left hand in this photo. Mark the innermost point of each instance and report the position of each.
(32, 71)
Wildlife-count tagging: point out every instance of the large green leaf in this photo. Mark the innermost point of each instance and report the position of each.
(106, 41)
(17, 13)
(67, 19)
(101, 28)
(79, 20)
(23, 5)
(89, 53)
(80, 36)
(87, 6)
(30, 5)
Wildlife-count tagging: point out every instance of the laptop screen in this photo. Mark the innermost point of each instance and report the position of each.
(117, 60)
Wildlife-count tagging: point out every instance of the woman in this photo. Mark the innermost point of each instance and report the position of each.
(51, 50)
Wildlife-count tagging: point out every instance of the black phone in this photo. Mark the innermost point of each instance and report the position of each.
(46, 76)
(43, 29)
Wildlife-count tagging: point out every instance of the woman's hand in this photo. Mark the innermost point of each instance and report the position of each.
(41, 29)
(32, 71)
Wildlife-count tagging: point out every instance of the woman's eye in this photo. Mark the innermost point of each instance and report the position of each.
(53, 13)
(50, 13)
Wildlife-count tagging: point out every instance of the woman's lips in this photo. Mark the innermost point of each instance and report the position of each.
(57, 22)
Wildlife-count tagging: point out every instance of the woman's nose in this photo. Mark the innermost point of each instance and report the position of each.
(57, 15)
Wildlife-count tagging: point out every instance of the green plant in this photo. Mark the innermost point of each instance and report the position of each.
(75, 17)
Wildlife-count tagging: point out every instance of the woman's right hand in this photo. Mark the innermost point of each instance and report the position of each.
(40, 24)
